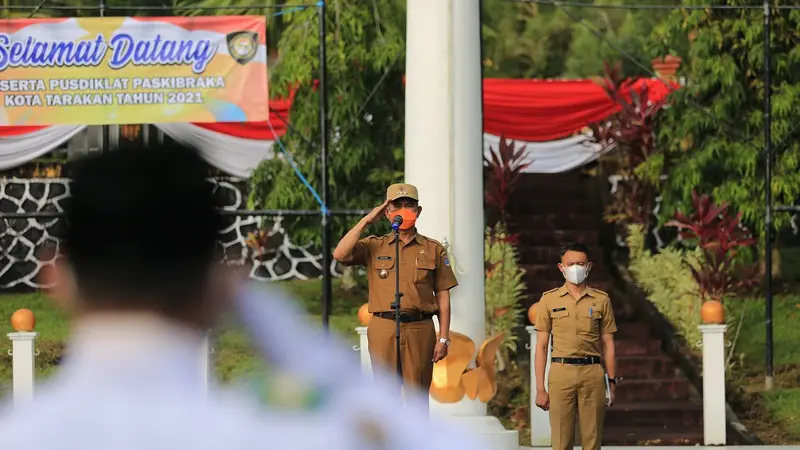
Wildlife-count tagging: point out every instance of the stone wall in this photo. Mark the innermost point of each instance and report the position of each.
(21, 240)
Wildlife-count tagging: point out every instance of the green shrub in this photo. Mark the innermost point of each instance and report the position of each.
(504, 289)
(667, 280)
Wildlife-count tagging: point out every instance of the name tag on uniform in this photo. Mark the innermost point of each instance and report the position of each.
(559, 309)
(384, 258)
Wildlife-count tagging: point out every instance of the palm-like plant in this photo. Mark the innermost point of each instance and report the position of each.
(503, 169)
(720, 235)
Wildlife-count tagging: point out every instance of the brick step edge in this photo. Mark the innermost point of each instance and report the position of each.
(652, 436)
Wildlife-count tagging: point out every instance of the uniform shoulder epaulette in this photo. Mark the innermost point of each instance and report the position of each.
(550, 291)
(600, 292)
(435, 242)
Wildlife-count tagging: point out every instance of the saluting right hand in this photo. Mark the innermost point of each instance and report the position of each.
(376, 213)
(543, 400)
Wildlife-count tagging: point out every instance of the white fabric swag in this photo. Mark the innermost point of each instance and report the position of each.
(239, 157)
(18, 149)
(556, 156)
(233, 155)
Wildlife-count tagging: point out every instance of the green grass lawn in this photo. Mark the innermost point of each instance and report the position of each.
(234, 356)
(783, 403)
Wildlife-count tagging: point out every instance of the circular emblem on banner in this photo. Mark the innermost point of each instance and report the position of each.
(242, 46)
(383, 273)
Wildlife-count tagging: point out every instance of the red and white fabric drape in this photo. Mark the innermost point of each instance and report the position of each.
(548, 118)
(235, 148)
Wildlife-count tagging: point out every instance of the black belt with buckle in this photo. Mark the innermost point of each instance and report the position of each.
(585, 361)
(405, 317)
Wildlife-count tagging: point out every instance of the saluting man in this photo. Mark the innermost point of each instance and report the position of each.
(425, 282)
(581, 322)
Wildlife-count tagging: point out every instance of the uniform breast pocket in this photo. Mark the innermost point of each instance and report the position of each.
(589, 322)
(425, 270)
(559, 318)
(383, 267)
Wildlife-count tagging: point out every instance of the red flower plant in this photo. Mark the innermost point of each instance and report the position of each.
(630, 132)
(719, 235)
(504, 168)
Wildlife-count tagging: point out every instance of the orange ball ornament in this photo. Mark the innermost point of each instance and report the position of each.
(532, 314)
(712, 312)
(23, 320)
(363, 314)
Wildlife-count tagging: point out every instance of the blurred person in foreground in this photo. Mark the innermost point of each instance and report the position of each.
(141, 285)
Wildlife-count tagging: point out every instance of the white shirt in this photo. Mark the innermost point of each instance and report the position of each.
(132, 382)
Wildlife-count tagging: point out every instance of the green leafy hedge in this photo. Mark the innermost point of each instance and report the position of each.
(667, 280)
(504, 289)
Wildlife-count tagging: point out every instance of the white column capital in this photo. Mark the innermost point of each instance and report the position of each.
(361, 330)
(23, 336)
(713, 328)
(530, 329)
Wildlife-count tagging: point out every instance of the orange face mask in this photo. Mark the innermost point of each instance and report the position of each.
(409, 217)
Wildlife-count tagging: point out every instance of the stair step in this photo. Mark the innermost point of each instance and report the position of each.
(655, 414)
(628, 347)
(523, 203)
(645, 367)
(531, 236)
(634, 331)
(652, 436)
(545, 182)
(633, 391)
(565, 220)
(551, 254)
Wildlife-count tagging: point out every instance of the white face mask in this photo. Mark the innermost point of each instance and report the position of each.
(576, 274)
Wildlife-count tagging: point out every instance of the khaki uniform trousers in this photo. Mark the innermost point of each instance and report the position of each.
(417, 340)
(576, 391)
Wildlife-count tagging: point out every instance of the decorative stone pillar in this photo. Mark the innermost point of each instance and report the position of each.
(666, 68)
(714, 421)
(206, 362)
(540, 420)
(23, 353)
(363, 350)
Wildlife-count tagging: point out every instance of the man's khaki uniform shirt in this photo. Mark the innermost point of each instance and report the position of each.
(424, 270)
(575, 324)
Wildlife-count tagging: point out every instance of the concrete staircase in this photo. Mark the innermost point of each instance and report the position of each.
(655, 405)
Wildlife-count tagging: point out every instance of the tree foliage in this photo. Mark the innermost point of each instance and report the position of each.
(270, 9)
(712, 137)
(529, 40)
(365, 54)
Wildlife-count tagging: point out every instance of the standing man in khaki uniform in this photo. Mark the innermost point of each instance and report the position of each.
(425, 282)
(581, 322)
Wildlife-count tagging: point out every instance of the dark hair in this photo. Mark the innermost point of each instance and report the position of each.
(141, 227)
(574, 247)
